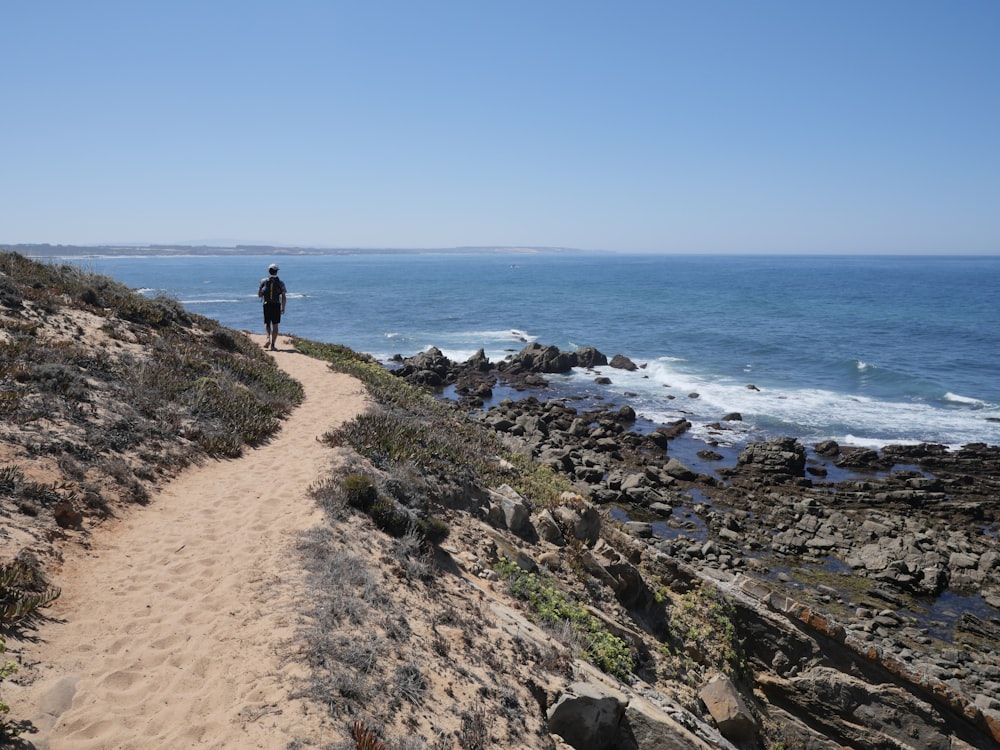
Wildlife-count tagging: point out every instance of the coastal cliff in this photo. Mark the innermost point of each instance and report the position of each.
(534, 573)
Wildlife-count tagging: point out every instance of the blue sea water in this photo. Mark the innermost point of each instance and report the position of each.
(863, 350)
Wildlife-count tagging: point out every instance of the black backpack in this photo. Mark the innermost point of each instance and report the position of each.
(272, 289)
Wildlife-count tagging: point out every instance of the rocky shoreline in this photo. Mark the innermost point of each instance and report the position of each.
(891, 571)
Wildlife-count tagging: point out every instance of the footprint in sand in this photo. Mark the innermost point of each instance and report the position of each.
(188, 642)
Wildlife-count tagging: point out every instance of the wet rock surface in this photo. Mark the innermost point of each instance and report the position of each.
(872, 601)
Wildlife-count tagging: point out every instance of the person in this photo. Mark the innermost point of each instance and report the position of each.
(272, 291)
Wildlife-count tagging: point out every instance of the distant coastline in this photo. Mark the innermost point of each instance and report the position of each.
(46, 250)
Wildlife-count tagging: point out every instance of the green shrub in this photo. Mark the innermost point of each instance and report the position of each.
(195, 388)
(390, 517)
(23, 591)
(434, 529)
(551, 607)
(359, 491)
(703, 622)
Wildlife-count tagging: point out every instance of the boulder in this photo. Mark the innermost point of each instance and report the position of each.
(621, 362)
(431, 360)
(678, 470)
(673, 429)
(779, 456)
(828, 448)
(652, 728)
(860, 458)
(588, 356)
(479, 362)
(514, 509)
(547, 528)
(537, 358)
(583, 522)
(728, 709)
(640, 529)
(588, 716)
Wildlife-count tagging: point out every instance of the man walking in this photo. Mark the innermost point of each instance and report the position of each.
(272, 291)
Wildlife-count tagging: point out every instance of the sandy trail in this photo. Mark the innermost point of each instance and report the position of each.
(174, 629)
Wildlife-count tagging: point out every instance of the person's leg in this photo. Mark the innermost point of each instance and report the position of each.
(274, 336)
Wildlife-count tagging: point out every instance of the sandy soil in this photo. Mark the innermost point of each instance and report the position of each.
(174, 629)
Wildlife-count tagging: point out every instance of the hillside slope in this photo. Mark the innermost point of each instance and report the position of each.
(395, 569)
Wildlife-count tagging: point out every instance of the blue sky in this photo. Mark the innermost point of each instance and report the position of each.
(696, 126)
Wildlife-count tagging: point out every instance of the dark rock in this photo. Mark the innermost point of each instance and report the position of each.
(621, 362)
(602, 380)
(780, 456)
(626, 414)
(733, 416)
(987, 630)
(67, 516)
(479, 362)
(658, 438)
(726, 705)
(861, 458)
(674, 429)
(588, 716)
(678, 470)
(431, 360)
(537, 358)
(588, 356)
(828, 448)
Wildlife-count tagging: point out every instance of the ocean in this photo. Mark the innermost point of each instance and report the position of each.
(865, 350)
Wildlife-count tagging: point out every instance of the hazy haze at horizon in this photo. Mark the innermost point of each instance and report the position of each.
(723, 127)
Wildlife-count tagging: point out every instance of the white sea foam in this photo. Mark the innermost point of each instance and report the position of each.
(458, 355)
(854, 441)
(521, 335)
(208, 301)
(956, 398)
(667, 391)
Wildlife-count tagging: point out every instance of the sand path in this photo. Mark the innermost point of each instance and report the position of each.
(174, 629)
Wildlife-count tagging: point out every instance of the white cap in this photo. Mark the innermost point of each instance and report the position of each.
(273, 267)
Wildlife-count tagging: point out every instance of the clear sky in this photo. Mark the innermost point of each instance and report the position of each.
(639, 126)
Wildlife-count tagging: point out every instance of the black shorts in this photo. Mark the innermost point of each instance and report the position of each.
(272, 312)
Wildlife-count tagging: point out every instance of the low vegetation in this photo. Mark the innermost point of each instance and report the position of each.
(553, 608)
(409, 428)
(119, 391)
(105, 391)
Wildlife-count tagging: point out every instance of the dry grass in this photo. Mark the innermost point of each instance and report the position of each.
(105, 393)
(399, 640)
